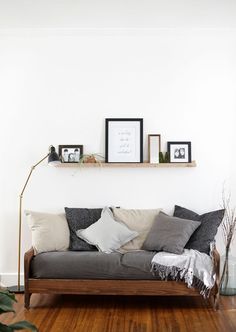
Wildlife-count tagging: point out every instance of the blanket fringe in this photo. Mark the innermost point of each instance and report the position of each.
(178, 274)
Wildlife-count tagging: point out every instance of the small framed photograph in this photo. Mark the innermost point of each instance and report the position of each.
(70, 153)
(124, 140)
(154, 148)
(179, 152)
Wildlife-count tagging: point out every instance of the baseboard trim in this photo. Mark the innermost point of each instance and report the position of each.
(10, 279)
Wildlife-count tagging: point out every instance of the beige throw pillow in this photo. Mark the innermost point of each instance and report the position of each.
(139, 220)
(50, 232)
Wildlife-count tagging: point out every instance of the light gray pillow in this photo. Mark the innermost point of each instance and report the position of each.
(107, 234)
(169, 234)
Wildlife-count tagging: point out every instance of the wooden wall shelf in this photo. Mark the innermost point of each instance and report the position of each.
(125, 165)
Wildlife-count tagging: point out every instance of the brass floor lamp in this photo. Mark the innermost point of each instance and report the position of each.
(53, 159)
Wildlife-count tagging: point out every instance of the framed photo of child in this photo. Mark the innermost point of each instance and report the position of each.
(70, 153)
(179, 152)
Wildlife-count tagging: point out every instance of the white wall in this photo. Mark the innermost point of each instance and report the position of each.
(66, 69)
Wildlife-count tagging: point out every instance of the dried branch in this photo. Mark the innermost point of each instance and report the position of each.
(228, 230)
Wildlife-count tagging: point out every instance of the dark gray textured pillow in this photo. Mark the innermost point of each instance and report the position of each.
(206, 233)
(79, 218)
(169, 234)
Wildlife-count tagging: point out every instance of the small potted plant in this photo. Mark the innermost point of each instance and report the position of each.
(91, 158)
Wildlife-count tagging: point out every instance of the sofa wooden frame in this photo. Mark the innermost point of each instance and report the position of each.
(113, 287)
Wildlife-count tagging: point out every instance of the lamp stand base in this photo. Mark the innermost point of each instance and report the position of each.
(16, 289)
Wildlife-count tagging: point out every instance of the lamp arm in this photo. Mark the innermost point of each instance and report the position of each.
(20, 215)
(31, 171)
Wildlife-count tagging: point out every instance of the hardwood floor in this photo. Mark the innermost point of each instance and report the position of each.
(59, 313)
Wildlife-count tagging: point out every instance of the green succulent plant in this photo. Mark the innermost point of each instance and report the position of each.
(161, 157)
(7, 300)
(167, 158)
(164, 157)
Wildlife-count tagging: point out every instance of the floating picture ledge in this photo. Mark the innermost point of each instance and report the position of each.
(125, 165)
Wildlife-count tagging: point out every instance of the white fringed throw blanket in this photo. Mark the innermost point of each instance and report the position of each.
(192, 267)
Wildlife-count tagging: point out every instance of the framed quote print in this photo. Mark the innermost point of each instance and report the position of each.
(124, 140)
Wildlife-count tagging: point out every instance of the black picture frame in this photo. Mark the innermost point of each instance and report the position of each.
(176, 156)
(75, 159)
(108, 140)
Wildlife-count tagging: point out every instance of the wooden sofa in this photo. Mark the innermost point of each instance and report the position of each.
(113, 287)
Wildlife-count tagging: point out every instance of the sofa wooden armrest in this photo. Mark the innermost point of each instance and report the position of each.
(216, 289)
(27, 260)
(113, 287)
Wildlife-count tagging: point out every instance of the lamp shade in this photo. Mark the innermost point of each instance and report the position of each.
(53, 158)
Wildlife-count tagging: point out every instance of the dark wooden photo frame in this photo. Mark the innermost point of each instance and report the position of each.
(180, 152)
(120, 144)
(70, 157)
(153, 156)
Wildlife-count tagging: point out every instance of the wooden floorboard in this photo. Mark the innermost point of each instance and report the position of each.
(59, 313)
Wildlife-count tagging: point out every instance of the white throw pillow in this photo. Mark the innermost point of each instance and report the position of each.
(50, 232)
(139, 220)
(107, 234)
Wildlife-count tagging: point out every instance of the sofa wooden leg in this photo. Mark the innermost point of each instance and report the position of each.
(216, 301)
(27, 300)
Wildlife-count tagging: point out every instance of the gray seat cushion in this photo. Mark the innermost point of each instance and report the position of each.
(92, 265)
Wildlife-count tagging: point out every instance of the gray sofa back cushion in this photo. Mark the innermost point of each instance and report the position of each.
(80, 218)
(205, 234)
